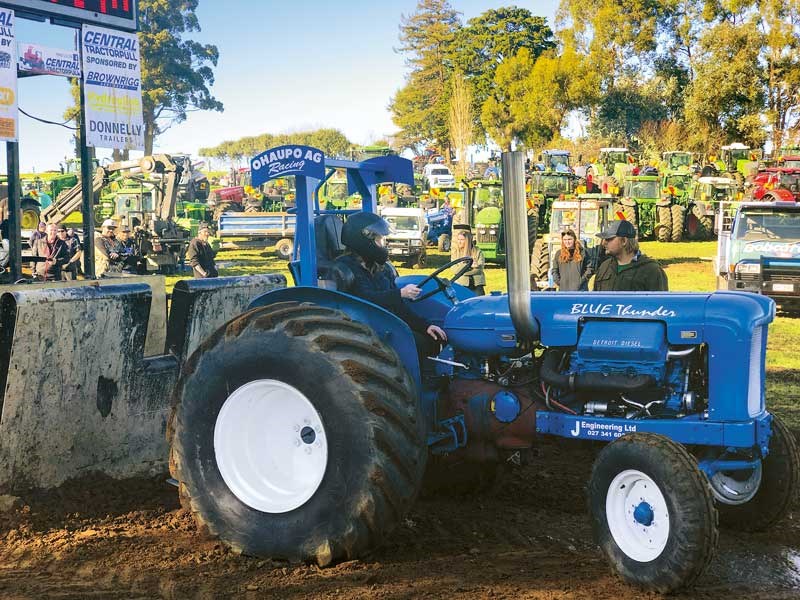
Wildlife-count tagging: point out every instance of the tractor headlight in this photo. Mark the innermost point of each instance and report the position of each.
(748, 268)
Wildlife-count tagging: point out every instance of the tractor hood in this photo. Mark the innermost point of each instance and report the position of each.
(483, 325)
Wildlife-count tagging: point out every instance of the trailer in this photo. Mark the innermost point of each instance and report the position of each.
(271, 227)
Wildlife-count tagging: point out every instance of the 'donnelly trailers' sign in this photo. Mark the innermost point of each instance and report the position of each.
(112, 79)
(287, 160)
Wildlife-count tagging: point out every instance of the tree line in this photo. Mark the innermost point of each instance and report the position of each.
(650, 74)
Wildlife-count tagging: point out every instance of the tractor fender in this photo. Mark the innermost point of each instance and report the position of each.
(389, 328)
(778, 194)
(664, 202)
(628, 202)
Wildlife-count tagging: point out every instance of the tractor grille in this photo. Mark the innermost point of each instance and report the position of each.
(485, 234)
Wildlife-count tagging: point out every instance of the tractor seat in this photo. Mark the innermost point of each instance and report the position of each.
(328, 236)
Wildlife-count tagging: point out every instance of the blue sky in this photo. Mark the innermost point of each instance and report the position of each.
(284, 66)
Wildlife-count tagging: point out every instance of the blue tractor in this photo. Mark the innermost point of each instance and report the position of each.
(303, 428)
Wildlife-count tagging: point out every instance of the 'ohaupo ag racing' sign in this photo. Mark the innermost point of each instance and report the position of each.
(287, 160)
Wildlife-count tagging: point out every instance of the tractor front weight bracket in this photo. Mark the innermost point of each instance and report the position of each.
(450, 435)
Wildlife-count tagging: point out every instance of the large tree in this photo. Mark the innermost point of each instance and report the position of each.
(421, 107)
(176, 72)
(492, 38)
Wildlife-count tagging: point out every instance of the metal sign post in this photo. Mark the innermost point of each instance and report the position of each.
(13, 207)
(87, 185)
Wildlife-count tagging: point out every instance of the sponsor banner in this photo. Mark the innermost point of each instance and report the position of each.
(287, 160)
(112, 80)
(48, 61)
(9, 116)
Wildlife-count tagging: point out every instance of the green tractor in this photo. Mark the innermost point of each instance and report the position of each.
(641, 204)
(485, 203)
(610, 168)
(707, 196)
(676, 161)
(736, 161)
(586, 215)
(545, 187)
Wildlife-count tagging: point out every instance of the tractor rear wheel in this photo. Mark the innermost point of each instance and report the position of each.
(698, 225)
(297, 434)
(533, 227)
(777, 483)
(678, 214)
(652, 512)
(629, 212)
(284, 248)
(540, 261)
(443, 243)
(664, 224)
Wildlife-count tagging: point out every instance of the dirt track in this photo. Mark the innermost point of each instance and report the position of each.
(526, 538)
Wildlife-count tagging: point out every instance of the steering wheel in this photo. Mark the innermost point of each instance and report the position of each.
(442, 285)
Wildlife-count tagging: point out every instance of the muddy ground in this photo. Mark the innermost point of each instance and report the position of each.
(528, 537)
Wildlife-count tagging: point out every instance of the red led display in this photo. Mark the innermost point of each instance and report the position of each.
(117, 14)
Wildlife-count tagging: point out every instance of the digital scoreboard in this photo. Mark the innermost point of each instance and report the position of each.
(115, 14)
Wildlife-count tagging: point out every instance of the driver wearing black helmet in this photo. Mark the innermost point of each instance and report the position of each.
(374, 277)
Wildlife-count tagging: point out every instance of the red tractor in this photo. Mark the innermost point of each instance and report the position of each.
(33, 58)
(776, 183)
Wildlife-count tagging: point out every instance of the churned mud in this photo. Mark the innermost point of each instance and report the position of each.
(528, 537)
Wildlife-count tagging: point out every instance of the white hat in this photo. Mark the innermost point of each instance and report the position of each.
(109, 223)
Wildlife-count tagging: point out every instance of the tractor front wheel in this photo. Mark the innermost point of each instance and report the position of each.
(443, 243)
(296, 434)
(652, 512)
(698, 225)
(776, 480)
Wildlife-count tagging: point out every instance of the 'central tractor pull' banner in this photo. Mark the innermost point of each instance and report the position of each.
(9, 116)
(112, 79)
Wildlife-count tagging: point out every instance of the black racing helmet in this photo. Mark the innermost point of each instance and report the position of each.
(360, 232)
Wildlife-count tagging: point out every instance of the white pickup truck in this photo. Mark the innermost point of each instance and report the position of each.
(436, 176)
(406, 243)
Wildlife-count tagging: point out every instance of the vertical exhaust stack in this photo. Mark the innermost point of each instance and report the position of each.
(515, 217)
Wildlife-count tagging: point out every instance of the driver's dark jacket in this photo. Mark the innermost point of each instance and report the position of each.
(377, 285)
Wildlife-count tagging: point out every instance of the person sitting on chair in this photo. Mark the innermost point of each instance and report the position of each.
(374, 277)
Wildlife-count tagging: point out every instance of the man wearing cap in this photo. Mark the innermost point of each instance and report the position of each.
(627, 269)
(200, 255)
(107, 260)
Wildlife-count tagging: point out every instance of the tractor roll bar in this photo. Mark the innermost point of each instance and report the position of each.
(517, 259)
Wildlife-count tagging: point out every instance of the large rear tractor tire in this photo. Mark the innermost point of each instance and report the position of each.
(664, 224)
(698, 225)
(678, 217)
(776, 481)
(284, 248)
(652, 512)
(296, 434)
(540, 262)
(30, 214)
(629, 212)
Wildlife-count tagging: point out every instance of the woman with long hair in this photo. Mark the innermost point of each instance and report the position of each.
(571, 267)
(464, 245)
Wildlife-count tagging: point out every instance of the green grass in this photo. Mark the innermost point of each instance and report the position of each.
(688, 266)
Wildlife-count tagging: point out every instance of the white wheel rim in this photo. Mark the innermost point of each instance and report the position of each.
(637, 516)
(729, 487)
(270, 446)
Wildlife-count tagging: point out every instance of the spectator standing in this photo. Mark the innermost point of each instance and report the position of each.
(571, 267)
(74, 251)
(200, 255)
(464, 245)
(107, 258)
(55, 254)
(627, 269)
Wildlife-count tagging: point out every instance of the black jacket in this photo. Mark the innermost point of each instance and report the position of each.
(201, 256)
(380, 288)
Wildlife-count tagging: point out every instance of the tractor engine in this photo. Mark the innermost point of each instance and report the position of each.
(629, 371)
